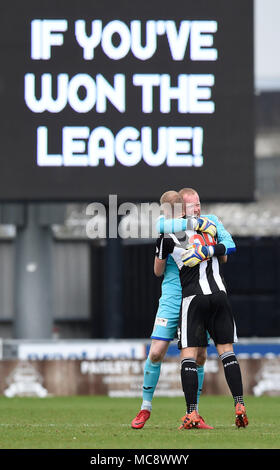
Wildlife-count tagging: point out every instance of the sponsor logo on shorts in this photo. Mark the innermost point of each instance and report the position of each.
(161, 321)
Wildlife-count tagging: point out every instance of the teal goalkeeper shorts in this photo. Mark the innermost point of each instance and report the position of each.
(167, 318)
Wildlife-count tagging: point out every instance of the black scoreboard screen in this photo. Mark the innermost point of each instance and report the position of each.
(127, 98)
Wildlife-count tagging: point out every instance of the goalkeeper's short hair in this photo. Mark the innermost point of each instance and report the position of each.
(172, 204)
(189, 191)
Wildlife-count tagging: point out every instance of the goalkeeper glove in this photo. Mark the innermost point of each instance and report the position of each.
(195, 254)
(206, 225)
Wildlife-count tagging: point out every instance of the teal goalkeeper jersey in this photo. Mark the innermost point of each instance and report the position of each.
(171, 285)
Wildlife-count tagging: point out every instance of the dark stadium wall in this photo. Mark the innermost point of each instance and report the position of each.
(252, 276)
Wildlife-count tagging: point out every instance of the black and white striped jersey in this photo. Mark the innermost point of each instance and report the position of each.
(204, 278)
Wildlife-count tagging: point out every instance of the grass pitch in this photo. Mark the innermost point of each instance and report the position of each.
(98, 422)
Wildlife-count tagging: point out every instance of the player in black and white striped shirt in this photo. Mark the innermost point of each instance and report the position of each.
(205, 307)
(204, 278)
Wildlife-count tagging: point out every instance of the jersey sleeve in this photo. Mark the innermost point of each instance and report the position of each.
(223, 236)
(171, 225)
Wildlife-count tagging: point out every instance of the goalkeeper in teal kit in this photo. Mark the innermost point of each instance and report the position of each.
(167, 317)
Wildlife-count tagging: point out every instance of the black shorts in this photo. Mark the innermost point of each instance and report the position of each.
(202, 313)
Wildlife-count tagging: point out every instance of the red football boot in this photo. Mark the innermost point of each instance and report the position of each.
(190, 420)
(203, 425)
(241, 419)
(139, 421)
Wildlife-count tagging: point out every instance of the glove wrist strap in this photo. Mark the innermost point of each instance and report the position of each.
(211, 251)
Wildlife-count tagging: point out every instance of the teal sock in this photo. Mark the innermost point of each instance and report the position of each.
(151, 376)
(200, 373)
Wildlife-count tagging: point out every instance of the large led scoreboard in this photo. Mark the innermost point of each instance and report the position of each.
(126, 98)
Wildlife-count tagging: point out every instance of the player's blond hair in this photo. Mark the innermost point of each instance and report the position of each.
(171, 197)
(172, 204)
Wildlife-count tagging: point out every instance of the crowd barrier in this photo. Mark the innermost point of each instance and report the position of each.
(115, 368)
